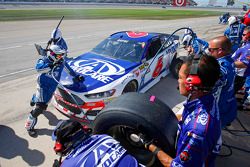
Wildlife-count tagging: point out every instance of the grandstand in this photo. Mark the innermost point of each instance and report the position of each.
(163, 2)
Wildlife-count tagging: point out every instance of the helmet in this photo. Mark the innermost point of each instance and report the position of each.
(56, 34)
(68, 134)
(232, 20)
(56, 53)
(186, 40)
(188, 31)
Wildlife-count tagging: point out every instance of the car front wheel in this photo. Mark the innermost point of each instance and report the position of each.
(130, 87)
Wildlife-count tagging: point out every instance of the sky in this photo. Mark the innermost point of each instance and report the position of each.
(221, 2)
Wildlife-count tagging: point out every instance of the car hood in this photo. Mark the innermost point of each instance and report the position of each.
(97, 71)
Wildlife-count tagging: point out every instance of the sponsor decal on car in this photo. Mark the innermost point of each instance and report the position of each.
(136, 72)
(132, 34)
(105, 69)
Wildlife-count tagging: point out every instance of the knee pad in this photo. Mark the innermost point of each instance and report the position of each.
(40, 107)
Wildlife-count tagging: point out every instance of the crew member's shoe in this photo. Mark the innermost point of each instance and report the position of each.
(30, 124)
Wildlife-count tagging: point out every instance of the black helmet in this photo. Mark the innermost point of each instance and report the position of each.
(68, 134)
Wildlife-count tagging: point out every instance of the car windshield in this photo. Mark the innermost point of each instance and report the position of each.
(120, 49)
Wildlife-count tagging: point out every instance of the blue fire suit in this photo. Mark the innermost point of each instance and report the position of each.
(48, 79)
(234, 33)
(224, 91)
(242, 55)
(199, 134)
(199, 45)
(224, 18)
(61, 42)
(100, 150)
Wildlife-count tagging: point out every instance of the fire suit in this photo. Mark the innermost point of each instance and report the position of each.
(224, 91)
(100, 150)
(199, 134)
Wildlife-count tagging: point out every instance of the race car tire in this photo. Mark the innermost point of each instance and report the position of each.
(143, 115)
(130, 87)
(175, 67)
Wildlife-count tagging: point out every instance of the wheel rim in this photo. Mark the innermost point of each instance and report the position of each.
(130, 87)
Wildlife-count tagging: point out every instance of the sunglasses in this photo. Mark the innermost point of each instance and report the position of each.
(212, 49)
(244, 35)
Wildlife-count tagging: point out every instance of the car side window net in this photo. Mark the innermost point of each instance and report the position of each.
(153, 49)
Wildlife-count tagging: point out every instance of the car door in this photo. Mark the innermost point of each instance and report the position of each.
(154, 64)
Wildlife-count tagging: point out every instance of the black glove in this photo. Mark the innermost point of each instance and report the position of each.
(78, 78)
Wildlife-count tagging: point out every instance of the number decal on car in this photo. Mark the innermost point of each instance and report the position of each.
(158, 67)
(132, 34)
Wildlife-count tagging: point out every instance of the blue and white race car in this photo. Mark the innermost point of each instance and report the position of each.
(124, 62)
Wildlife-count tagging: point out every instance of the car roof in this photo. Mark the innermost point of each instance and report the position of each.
(136, 36)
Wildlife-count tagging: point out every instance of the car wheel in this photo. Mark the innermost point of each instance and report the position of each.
(175, 67)
(133, 115)
(130, 87)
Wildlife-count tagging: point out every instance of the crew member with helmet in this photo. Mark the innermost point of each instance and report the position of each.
(234, 32)
(219, 47)
(193, 44)
(50, 67)
(57, 39)
(241, 58)
(83, 149)
(224, 18)
(199, 132)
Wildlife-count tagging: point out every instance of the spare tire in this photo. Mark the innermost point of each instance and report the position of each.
(140, 114)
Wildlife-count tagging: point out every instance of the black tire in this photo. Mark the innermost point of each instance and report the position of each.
(175, 67)
(130, 87)
(134, 113)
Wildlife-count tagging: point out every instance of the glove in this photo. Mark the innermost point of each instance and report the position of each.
(78, 78)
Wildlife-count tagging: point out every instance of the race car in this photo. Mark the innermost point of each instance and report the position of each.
(124, 62)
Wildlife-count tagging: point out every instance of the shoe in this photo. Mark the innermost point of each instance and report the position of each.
(32, 133)
(30, 124)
